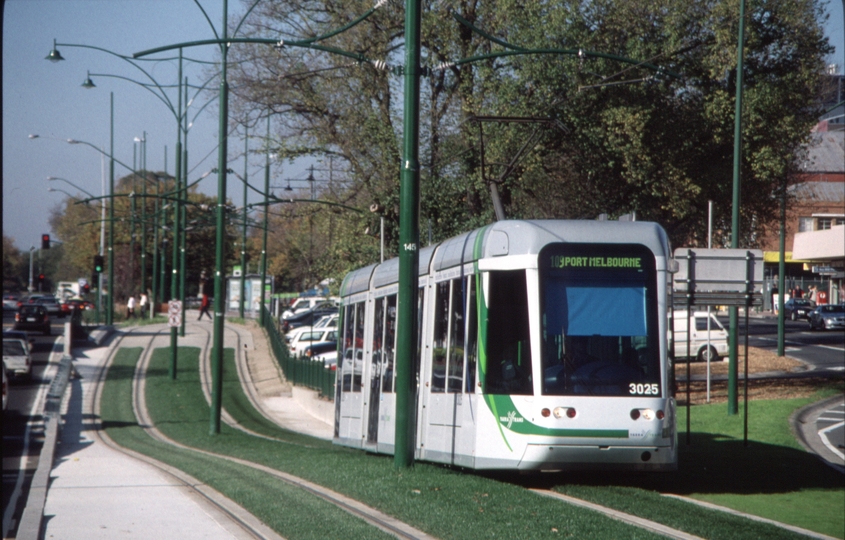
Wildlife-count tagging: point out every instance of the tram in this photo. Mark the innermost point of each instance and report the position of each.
(543, 346)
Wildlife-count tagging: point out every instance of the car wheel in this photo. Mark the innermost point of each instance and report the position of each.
(47, 331)
(708, 353)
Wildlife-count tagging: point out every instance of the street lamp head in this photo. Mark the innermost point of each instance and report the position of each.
(88, 83)
(54, 55)
(72, 141)
(33, 136)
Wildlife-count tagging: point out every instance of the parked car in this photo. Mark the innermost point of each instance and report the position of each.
(311, 316)
(16, 357)
(303, 340)
(828, 317)
(33, 317)
(327, 321)
(698, 340)
(303, 303)
(51, 304)
(797, 308)
(315, 349)
(19, 334)
(328, 359)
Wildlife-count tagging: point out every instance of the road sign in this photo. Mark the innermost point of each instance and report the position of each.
(174, 313)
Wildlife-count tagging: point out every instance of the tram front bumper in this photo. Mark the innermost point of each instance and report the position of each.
(551, 457)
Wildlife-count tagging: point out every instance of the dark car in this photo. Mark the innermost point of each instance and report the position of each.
(33, 317)
(308, 318)
(797, 308)
(51, 305)
(315, 349)
(828, 317)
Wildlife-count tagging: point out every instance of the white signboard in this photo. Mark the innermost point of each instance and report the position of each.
(718, 276)
(174, 313)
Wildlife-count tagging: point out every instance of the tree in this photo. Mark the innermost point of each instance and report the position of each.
(609, 137)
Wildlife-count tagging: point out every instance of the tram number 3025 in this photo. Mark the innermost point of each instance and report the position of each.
(644, 389)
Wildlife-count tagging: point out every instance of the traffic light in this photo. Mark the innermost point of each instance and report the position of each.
(45, 241)
(98, 264)
(86, 288)
(41, 278)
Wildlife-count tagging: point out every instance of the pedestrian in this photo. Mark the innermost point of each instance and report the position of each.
(143, 304)
(130, 307)
(204, 307)
(813, 294)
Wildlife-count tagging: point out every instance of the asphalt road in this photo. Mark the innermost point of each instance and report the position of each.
(23, 428)
(823, 350)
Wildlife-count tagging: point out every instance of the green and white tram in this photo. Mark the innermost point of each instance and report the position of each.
(543, 346)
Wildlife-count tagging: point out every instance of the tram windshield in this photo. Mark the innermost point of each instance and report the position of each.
(599, 316)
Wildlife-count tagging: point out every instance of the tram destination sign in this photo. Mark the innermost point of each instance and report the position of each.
(731, 277)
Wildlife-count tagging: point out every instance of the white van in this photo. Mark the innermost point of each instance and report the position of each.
(698, 342)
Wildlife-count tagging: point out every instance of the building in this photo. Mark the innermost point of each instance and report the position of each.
(815, 221)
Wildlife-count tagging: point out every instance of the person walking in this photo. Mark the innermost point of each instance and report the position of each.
(130, 307)
(143, 303)
(204, 292)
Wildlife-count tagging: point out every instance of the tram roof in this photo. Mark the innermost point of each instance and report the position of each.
(512, 237)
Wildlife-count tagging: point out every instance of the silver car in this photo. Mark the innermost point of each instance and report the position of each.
(16, 357)
(828, 317)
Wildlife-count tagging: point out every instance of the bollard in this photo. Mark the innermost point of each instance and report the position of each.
(68, 338)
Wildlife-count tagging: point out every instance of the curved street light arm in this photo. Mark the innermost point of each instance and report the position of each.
(145, 86)
(484, 34)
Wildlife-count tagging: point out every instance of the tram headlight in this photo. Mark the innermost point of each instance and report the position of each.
(568, 412)
(648, 414)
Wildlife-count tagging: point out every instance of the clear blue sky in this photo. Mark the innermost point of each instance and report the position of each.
(43, 98)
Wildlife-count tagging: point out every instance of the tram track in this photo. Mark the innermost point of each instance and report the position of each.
(367, 514)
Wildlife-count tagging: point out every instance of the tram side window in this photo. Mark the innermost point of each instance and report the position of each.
(440, 337)
(347, 351)
(353, 351)
(508, 344)
(378, 340)
(455, 372)
(472, 335)
(389, 345)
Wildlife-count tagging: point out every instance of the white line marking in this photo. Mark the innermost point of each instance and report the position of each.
(826, 441)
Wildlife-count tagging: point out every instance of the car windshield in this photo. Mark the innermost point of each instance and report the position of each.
(13, 347)
(802, 302)
(31, 310)
(833, 309)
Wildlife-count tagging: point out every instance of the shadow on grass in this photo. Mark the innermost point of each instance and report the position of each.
(711, 464)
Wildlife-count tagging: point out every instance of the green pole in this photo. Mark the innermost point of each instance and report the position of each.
(144, 216)
(406, 350)
(782, 271)
(110, 313)
(174, 281)
(217, 350)
(183, 274)
(264, 241)
(243, 236)
(733, 402)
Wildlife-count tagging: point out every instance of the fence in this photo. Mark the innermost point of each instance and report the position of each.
(299, 371)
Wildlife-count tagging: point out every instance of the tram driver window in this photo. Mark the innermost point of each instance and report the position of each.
(508, 344)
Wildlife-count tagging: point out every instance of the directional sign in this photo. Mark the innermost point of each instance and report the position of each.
(174, 313)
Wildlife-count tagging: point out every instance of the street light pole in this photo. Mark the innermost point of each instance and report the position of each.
(266, 208)
(243, 236)
(406, 320)
(219, 289)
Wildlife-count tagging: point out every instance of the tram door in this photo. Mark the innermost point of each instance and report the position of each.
(449, 420)
(351, 370)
